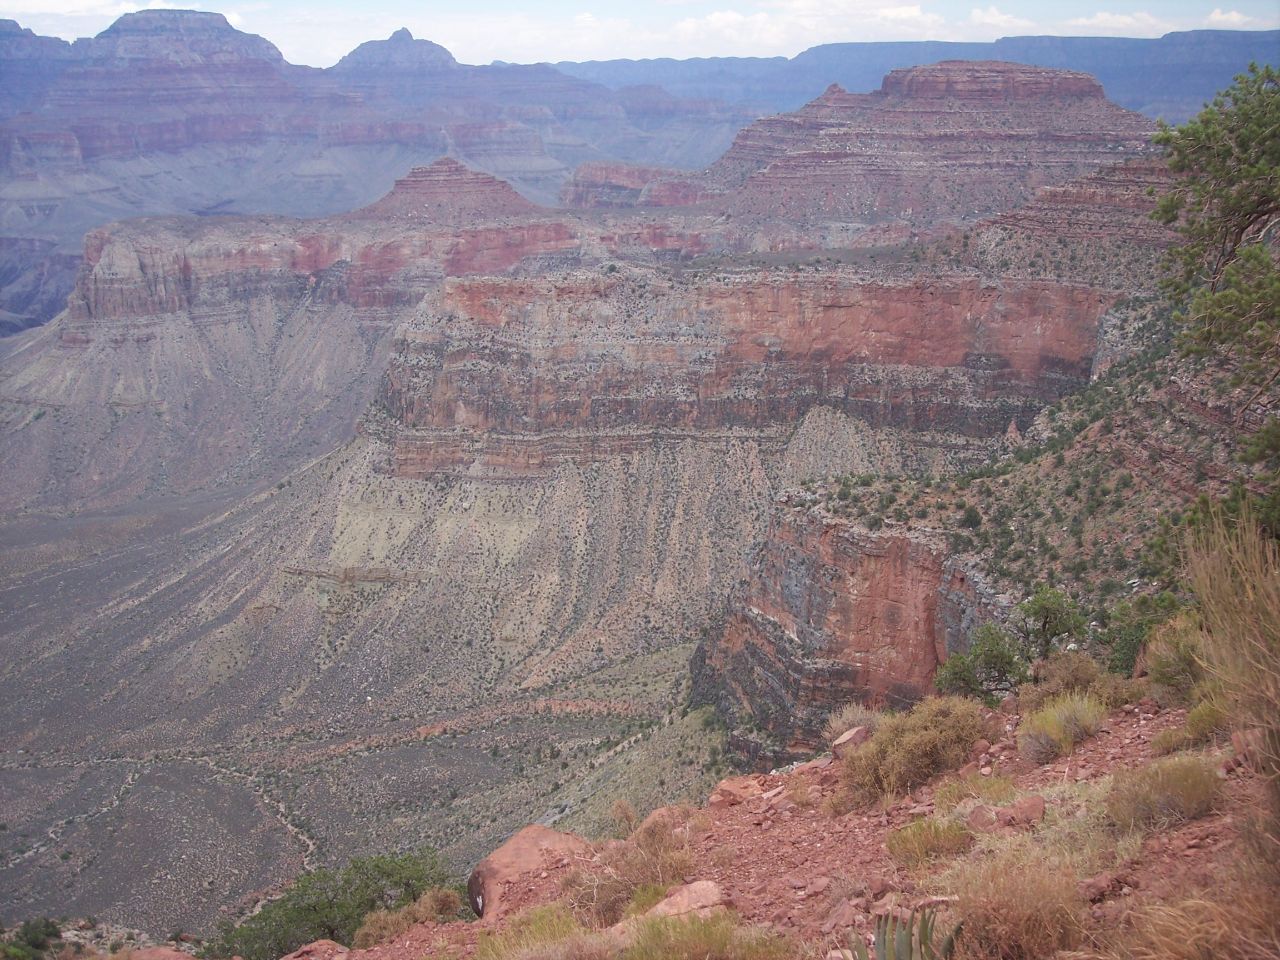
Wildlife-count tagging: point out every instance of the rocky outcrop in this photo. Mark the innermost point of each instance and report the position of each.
(446, 192)
(833, 612)
(530, 852)
(520, 375)
(948, 141)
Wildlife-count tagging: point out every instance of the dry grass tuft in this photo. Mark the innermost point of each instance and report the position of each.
(1242, 926)
(925, 840)
(658, 854)
(536, 934)
(995, 789)
(1017, 909)
(1234, 572)
(720, 937)
(910, 749)
(843, 719)
(1067, 671)
(1163, 793)
(1059, 725)
(437, 904)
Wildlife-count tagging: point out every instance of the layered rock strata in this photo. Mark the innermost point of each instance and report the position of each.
(833, 612)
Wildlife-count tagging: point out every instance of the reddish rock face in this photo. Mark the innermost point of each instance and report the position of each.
(519, 375)
(952, 140)
(990, 80)
(446, 192)
(531, 851)
(833, 613)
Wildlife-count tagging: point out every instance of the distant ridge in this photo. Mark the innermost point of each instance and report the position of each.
(1170, 77)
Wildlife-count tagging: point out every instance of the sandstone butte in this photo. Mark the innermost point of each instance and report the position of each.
(954, 139)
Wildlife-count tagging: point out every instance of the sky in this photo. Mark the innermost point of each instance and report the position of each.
(319, 32)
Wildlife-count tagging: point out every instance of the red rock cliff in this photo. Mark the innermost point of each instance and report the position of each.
(831, 613)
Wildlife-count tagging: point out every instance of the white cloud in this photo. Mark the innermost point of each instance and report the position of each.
(1138, 24)
(994, 17)
(1228, 20)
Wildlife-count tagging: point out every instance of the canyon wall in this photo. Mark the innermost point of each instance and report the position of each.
(831, 613)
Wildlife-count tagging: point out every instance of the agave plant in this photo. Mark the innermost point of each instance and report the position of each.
(909, 939)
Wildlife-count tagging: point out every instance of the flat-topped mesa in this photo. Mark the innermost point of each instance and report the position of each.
(993, 80)
(448, 192)
(953, 140)
(175, 36)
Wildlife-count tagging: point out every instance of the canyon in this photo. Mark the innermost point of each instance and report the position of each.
(400, 524)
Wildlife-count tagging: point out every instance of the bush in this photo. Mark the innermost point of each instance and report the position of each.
(994, 789)
(924, 840)
(1205, 721)
(991, 668)
(1173, 657)
(330, 904)
(1011, 909)
(656, 855)
(437, 904)
(1163, 793)
(1170, 741)
(1067, 671)
(1114, 690)
(38, 933)
(1235, 574)
(845, 718)
(1058, 726)
(912, 748)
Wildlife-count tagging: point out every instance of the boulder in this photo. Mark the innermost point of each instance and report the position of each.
(528, 853)
(734, 790)
(319, 950)
(698, 899)
(849, 741)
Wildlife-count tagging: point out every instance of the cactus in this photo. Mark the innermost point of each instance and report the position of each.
(910, 939)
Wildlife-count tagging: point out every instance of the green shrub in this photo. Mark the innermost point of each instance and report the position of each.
(1174, 657)
(1205, 721)
(924, 840)
(38, 933)
(1163, 793)
(330, 904)
(909, 749)
(1058, 726)
(991, 668)
(1067, 671)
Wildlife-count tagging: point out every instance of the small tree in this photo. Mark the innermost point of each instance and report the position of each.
(992, 667)
(1226, 205)
(1046, 620)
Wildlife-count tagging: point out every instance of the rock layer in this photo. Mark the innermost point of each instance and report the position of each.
(831, 613)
